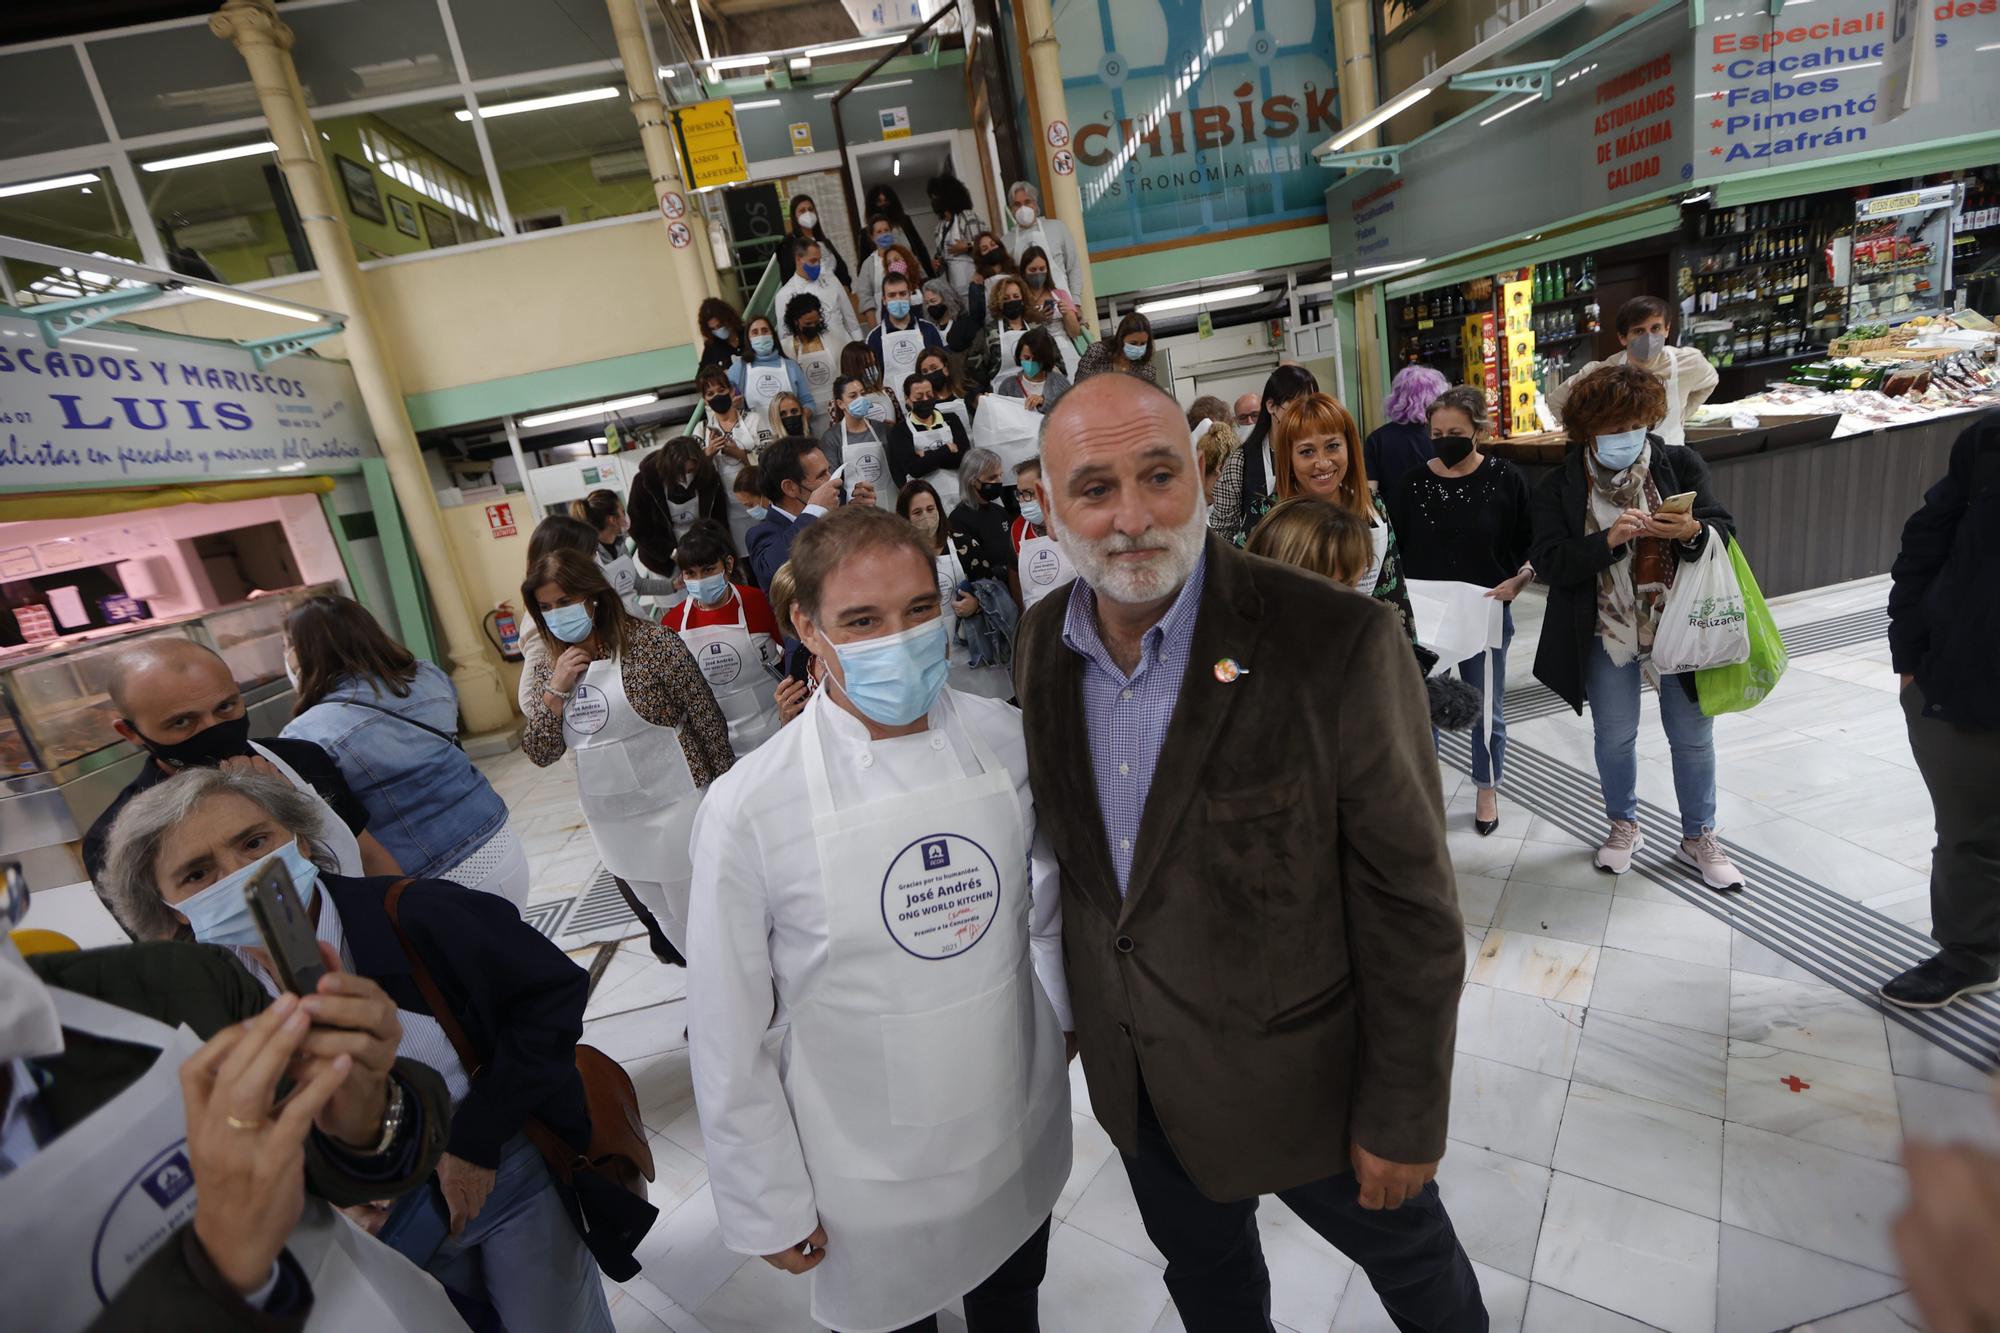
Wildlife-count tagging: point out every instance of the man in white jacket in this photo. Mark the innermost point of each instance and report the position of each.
(1645, 327)
(811, 274)
(878, 1016)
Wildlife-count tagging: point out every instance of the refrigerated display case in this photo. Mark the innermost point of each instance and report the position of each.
(1901, 255)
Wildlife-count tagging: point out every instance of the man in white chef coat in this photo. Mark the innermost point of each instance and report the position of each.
(868, 886)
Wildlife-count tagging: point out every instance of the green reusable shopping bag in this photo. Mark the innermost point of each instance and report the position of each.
(1731, 689)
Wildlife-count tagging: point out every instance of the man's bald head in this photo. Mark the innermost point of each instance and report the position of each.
(1247, 407)
(1118, 404)
(167, 689)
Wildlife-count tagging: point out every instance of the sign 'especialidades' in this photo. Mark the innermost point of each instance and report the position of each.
(121, 407)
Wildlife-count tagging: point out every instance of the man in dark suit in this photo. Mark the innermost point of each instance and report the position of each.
(1259, 919)
(801, 487)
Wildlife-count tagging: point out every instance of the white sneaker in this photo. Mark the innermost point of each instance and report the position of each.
(1615, 856)
(1706, 855)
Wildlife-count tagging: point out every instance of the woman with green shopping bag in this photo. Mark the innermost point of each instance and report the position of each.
(1611, 531)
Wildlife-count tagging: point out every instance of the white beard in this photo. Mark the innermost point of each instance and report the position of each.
(1177, 551)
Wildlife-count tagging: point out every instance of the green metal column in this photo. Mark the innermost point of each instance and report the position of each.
(405, 581)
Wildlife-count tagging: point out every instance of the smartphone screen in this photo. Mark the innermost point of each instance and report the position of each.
(286, 929)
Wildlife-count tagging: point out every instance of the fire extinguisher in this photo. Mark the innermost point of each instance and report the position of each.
(505, 631)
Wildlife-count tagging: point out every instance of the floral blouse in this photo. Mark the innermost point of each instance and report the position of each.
(666, 689)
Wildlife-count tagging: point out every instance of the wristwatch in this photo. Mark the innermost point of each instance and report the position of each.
(392, 1118)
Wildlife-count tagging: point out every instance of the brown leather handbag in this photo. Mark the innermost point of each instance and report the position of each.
(606, 1183)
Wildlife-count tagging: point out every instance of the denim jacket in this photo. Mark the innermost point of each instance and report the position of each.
(426, 802)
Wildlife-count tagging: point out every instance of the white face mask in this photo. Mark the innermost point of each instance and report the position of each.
(1645, 347)
(808, 219)
(1025, 215)
(28, 1023)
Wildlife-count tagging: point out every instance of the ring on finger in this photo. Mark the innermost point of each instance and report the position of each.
(234, 1123)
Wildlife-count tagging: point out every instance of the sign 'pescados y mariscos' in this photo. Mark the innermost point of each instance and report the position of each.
(120, 406)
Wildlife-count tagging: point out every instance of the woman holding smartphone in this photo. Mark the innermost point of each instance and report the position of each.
(1609, 544)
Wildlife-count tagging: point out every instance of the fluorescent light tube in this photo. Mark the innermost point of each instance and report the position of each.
(869, 88)
(1837, 69)
(739, 62)
(588, 410)
(843, 48)
(212, 155)
(539, 103)
(1510, 110)
(1395, 107)
(1389, 268)
(759, 104)
(1201, 298)
(230, 296)
(52, 183)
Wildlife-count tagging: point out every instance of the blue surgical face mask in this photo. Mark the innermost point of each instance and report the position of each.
(1618, 451)
(899, 309)
(572, 623)
(757, 512)
(811, 271)
(1031, 368)
(220, 913)
(885, 240)
(710, 589)
(1135, 351)
(895, 679)
(864, 408)
(762, 343)
(1032, 512)
(719, 331)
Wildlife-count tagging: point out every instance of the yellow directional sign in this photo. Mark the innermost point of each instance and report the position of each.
(709, 143)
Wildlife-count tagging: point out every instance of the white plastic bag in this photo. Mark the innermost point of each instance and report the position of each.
(1705, 622)
(1008, 428)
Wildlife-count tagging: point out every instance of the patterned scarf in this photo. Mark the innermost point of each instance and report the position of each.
(1631, 592)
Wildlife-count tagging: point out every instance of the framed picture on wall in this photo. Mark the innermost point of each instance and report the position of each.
(405, 214)
(364, 197)
(437, 227)
(465, 228)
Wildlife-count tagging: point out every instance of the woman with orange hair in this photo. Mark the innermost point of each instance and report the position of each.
(1316, 452)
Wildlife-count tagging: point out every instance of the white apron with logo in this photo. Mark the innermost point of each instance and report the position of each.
(683, 515)
(818, 369)
(1009, 340)
(333, 830)
(1378, 551)
(763, 383)
(936, 442)
(745, 435)
(635, 787)
(1043, 568)
(737, 674)
(622, 574)
(83, 1214)
(866, 458)
(900, 350)
(926, 1070)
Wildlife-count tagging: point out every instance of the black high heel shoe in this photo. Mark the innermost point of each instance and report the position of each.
(1485, 827)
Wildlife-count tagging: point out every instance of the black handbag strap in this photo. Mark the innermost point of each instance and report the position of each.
(448, 736)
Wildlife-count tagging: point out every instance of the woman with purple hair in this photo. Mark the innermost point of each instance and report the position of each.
(1404, 441)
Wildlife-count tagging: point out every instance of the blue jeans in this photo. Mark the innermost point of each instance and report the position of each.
(1613, 692)
(1487, 763)
(522, 1255)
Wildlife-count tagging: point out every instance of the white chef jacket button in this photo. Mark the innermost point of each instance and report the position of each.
(937, 742)
(868, 761)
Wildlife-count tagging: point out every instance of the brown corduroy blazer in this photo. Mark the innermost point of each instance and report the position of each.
(1284, 968)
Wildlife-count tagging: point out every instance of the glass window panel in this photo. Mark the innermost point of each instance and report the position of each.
(223, 210)
(575, 162)
(83, 213)
(409, 179)
(521, 36)
(44, 102)
(171, 79)
(368, 48)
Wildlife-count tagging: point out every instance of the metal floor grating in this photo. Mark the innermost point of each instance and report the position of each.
(547, 917)
(600, 908)
(1842, 942)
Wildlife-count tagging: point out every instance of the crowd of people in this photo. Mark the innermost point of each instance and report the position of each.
(946, 766)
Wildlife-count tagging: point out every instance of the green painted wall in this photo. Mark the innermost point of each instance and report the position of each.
(1160, 268)
(608, 378)
(570, 187)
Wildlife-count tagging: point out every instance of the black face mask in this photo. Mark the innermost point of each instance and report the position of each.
(1451, 450)
(991, 491)
(793, 423)
(921, 407)
(939, 380)
(204, 749)
(808, 330)
(718, 403)
(1013, 309)
(937, 313)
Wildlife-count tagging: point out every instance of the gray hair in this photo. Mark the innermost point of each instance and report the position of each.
(129, 882)
(1461, 398)
(972, 468)
(947, 295)
(1034, 195)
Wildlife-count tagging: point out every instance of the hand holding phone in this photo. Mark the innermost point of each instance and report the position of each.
(287, 931)
(1678, 504)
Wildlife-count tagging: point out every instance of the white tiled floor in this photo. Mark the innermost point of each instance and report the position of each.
(1628, 1151)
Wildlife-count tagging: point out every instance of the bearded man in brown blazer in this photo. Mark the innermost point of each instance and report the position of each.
(1233, 759)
